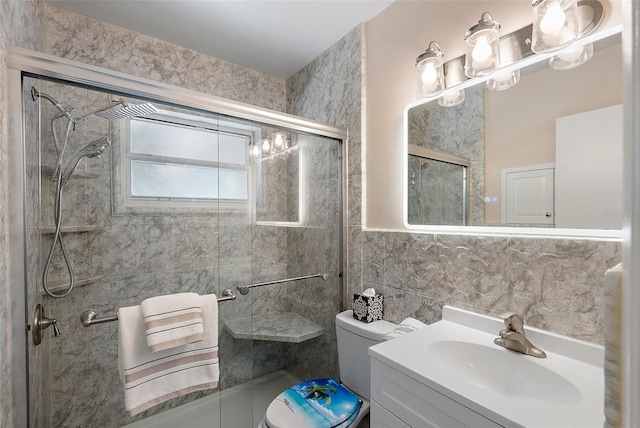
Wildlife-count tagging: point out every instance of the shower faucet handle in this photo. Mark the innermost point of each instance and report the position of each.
(40, 323)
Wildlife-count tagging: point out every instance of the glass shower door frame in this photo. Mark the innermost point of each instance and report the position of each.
(22, 62)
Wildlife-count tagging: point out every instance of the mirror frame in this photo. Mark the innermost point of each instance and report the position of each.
(592, 234)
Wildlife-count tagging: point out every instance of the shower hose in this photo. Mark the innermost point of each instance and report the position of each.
(57, 210)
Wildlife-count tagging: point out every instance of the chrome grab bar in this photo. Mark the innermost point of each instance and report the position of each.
(244, 289)
(88, 318)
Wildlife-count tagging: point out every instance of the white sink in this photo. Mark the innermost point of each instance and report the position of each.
(457, 358)
(505, 372)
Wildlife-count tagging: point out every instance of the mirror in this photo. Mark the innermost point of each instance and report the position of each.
(544, 153)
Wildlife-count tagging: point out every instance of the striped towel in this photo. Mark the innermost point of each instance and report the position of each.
(153, 378)
(406, 326)
(172, 320)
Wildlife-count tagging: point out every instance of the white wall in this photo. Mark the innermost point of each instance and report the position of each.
(394, 39)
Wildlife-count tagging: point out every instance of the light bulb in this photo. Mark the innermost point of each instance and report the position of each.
(429, 75)
(553, 19)
(482, 50)
(266, 145)
(278, 141)
(255, 151)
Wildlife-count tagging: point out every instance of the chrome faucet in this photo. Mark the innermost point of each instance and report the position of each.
(513, 337)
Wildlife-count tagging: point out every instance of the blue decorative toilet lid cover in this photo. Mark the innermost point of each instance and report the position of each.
(320, 403)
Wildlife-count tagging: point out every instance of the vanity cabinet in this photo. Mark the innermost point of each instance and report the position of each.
(398, 400)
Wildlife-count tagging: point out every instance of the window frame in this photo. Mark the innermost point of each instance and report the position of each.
(162, 204)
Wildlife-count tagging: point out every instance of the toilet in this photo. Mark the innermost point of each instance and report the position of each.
(327, 402)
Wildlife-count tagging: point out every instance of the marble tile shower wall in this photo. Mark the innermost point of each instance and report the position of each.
(141, 256)
(329, 90)
(557, 284)
(5, 296)
(84, 39)
(21, 24)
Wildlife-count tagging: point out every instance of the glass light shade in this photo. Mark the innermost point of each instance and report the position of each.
(429, 72)
(504, 80)
(451, 99)
(555, 25)
(482, 47)
(571, 57)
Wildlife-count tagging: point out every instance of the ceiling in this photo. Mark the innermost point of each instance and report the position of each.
(276, 37)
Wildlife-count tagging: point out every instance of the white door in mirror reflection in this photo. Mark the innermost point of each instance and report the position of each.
(527, 195)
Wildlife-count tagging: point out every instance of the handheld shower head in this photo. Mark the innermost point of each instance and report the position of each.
(95, 148)
(92, 150)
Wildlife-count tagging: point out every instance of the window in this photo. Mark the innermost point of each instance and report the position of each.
(175, 160)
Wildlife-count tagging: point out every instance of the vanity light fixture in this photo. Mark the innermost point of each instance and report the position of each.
(429, 71)
(482, 47)
(590, 14)
(503, 80)
(555, 25)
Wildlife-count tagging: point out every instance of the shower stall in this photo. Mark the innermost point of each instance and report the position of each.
(132, 189)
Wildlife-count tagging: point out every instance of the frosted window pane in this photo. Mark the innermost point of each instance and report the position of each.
(233, 149)
(159, 139)
(233, 184)
(161, 180)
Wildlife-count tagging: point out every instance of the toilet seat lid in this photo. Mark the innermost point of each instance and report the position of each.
(319, 403)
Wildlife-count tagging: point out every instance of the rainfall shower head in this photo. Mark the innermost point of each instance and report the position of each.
(92, 150)
(127, 111)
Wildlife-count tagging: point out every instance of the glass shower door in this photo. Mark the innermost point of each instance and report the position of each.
(180, 200)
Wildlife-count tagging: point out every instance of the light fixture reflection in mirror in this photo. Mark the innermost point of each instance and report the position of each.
(503, 80)
(274, 143)
(451, 99)
(555, 25)
(571, 57)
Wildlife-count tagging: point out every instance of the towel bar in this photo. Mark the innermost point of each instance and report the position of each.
(244, 289)
(88, 318)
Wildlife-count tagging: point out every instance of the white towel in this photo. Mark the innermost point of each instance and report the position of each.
(172, 320)
(152, 378)
(406, 326)
(612, 347)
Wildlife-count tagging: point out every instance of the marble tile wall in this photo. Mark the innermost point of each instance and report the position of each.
(21, 24)
(557, 284)
(329, 90)
(84, 39)
(5, 307)
(141, 255)
(145, 255)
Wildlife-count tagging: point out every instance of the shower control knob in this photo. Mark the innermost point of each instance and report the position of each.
(41, 322)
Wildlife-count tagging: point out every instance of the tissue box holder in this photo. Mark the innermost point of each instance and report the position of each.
(367, 308)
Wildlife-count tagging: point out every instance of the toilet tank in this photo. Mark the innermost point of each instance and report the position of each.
(354, 339)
